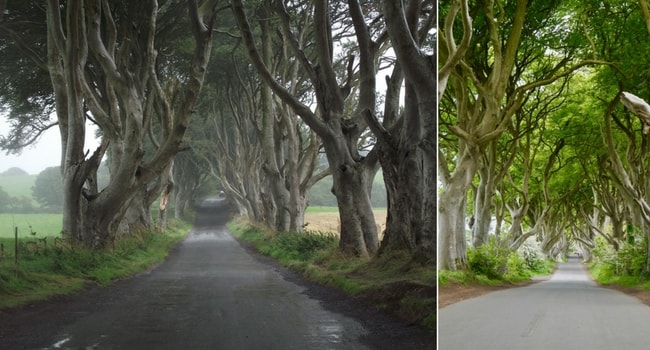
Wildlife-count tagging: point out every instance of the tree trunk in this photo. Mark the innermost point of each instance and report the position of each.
(451, 214)
(358, 227)
(407, 153)
(122, 101)
(338, 134)
(402, 171)
(165, 200)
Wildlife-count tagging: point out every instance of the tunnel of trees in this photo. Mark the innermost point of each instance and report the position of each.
(247, 97)
(536, 142)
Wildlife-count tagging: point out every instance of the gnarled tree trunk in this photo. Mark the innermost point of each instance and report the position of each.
(125, 94)
(338, 133)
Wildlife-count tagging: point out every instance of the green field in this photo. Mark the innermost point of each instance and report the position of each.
(317, 209)
(42, 224)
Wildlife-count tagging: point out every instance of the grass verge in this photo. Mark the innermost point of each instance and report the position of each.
(393, 282)
(469, 277)
(604, 275)
(46, 271)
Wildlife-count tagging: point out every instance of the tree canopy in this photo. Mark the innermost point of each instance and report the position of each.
(247, 96)
(535, 138)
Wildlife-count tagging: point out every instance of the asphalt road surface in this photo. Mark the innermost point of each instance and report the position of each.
(568, 311)
(211, 293)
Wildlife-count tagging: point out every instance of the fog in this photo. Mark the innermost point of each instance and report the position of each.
(44, 154)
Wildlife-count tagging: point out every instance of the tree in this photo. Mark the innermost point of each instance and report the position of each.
(104, 67)
(47, 189)
(496, 74)
(622, 185)
(26, 94)
(331, 122)
(5, 201)
(406, 143)
(104, 58)
(188, 176)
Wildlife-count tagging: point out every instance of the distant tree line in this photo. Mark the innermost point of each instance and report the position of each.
(18, 205)
(47, 191)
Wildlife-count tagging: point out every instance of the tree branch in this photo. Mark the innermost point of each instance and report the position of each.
(302, 110)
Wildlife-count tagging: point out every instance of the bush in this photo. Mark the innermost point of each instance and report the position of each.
(628, 261)
(496, 261)
(531, 256)
(490, 259)
(517, 268)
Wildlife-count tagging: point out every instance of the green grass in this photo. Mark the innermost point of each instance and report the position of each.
(42, 224)
(322, 210)
(392, 282)
(45, 271)
(468, 277)
(604, 276)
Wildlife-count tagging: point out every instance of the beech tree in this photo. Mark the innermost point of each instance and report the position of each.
(339, 129)
(406, 142)
(102, 59)
(493, 80)
(26, 95)
(188, 175)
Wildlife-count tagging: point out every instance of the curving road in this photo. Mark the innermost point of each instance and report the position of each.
(568, 311)
(211, 293)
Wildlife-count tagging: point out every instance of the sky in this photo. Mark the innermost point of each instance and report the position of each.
(44, 154)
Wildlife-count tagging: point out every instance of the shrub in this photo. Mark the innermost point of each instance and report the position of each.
(628, 261)
(530, 254)
(517, 268)
(490, 259)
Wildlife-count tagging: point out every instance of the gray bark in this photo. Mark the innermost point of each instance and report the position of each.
(338, 133)
(405, 143)
(122, 102)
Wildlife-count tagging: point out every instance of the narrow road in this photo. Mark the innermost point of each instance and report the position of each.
(211, 293)
(568, 311)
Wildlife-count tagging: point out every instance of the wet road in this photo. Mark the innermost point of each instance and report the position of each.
(209, 294)
(569, 311)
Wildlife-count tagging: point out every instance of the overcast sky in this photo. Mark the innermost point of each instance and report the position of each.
(34, 159)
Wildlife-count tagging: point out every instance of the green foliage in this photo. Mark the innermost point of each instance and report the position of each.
(446, 277)
(602, 251)
(516, 268)
(74, 262)
(495, 261)
(18, 185)
(626, 265)
(534, 262)
(298, 246)
(48, 189)
(490, 259)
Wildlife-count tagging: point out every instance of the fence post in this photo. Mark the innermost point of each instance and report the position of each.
(16, 248)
